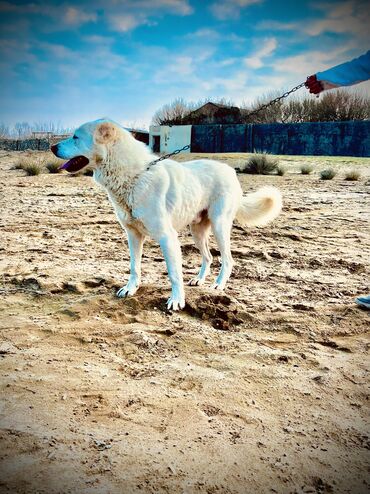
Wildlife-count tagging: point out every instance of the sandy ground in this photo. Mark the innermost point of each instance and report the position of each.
(261, 389)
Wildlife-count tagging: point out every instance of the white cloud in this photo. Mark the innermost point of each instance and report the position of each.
(181, 66)
(311, 62)
(227, 62)
(256, 60)
(99, 40)
(204, 33)
(344, 17)
(125, 22)
(228, 9)
(276, 25)
(70, 65)
(122, 15)
(129, 14)
(179, 7)
(213, 36)
(64, 15)
(348, 17)
(77, 17)
(56, 50)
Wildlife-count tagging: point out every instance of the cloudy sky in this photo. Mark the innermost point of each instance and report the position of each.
(76, 61)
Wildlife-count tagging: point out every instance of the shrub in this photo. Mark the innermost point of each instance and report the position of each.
(352, 175)
(41, 161)
(32, 169)
(306, 169)
(327, 174)
(261, 164)
(53, 166)
(280, 170)
(32, 165)
(21, 163)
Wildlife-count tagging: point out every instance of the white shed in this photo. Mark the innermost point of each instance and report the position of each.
(166, 138)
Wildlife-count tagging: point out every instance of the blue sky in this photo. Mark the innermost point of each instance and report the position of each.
(77, 61)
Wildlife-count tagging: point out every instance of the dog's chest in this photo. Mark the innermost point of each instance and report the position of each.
(119, 194)
(124, 214)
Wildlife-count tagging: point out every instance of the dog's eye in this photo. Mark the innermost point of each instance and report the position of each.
(75, 137)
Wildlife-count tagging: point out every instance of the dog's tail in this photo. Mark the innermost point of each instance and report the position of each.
(261, 207)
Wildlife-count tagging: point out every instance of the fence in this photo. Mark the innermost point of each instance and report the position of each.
(307, 138)
(43, 144)
(23, 144)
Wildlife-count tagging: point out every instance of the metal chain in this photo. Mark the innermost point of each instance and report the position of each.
(165, 156)
(272, 102)
(254, 112)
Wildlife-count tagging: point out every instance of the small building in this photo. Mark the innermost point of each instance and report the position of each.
(166, 138)
(213, 113)
(42, 134)
(140, 135)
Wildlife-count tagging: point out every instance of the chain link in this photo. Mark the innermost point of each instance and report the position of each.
(254, 112)
(272, 102)
(165, 156)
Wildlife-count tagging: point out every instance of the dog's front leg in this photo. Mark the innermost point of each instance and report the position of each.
(171, 249)
(135, 243)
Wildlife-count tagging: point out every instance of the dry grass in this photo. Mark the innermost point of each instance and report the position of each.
(327, 174)
(261, 164)
(352, 175)
(53, 166)
(281, 170)
(22, 162)
(34, 164)
(32, 169)
(306, 169)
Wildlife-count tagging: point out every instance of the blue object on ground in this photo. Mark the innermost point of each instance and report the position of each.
(363, 301)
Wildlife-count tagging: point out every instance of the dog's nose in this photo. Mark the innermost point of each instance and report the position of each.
(54, 149)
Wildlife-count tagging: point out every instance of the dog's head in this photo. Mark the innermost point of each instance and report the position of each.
(89, 145)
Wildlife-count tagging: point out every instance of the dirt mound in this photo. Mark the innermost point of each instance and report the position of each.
(222, 311)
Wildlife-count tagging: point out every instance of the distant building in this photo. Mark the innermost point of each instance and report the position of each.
(166, 139)
(140, 135)
(213, 113)
(42, 134)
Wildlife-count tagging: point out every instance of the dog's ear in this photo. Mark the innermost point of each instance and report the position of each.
(106, 133)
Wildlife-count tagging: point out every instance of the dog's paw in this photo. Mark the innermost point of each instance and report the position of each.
(218, 286)
(175, 303)
(127, 290)
(196, 281)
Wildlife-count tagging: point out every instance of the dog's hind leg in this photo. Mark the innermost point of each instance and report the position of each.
(135, 243)
(221, 226)
(200, 232)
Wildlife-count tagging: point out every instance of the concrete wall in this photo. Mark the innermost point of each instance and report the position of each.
(313, 138)
(308, 138)
(171, 137)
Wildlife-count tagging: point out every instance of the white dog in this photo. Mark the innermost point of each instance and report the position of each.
(161, 199)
